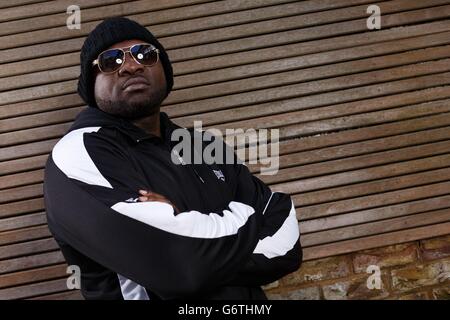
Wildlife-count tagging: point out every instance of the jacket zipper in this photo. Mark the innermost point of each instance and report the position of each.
(193, 168)
(179, 158)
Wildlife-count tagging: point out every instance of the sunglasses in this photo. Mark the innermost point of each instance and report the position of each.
(111, 60)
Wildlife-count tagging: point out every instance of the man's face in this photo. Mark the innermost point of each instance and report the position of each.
(143, 98)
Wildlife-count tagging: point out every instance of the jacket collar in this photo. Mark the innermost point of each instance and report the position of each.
(94, 117)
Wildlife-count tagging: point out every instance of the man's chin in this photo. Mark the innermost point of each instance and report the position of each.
(138, 111)
(130, 109)
(134, 106)
(136, 99)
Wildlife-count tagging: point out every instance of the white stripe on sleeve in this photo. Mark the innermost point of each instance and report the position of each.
(190, 223)
(283, 240)
(71, 157)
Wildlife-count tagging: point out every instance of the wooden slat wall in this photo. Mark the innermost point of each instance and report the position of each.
(364, 116)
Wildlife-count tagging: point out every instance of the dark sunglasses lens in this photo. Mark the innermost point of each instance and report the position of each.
(145, 54)
(110, 60)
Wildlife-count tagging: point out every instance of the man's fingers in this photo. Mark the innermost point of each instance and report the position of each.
(150, 196)
(146, 193)
(144, 199)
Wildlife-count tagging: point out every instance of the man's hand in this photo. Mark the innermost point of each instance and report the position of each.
(153, 196)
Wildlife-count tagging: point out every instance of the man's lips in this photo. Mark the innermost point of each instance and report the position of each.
(135, 82)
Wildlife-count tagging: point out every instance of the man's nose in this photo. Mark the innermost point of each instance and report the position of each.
(130, 65)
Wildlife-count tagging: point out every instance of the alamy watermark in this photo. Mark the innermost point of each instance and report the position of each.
(252, 146)
(374, 21)
(74, 280)
(74, 19)
(374, 280)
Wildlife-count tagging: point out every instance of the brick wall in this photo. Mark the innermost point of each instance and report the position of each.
(414, 270)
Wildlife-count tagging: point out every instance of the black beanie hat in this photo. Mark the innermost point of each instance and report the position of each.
(107, 33)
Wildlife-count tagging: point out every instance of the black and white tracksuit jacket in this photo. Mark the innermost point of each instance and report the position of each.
(232, 235)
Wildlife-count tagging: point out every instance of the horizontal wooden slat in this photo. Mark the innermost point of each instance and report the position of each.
(301, 22)
(360, 175)
(34, 275)
(384, 207)
(294, 63)
(40, 118)
(21, 207)
(284, 78)
(307, 36)
(21, 178)
(380, 186)
(350, 108)
(24, 234)
(315, 128)
(346, 122)
(372, 132)
(30, 191)
(354, 149)
(31, 261)
(16, 3)
(24, 221)
(292, 91)
(389, 225)
(22, 164)
(34, 289)
(395, 210)
(27, 149)
(380, 240)
(357, 162)
(41, 133)
(37, 9)
(51, 103)
(30, 247)
(314, 52)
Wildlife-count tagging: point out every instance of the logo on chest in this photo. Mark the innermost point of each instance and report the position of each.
(219, 174)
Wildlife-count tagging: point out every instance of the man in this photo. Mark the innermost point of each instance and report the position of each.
(138, 225)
